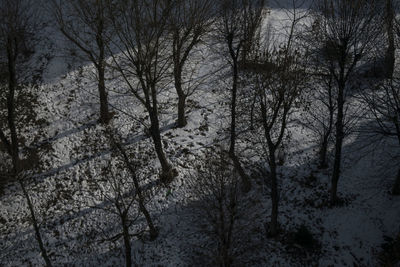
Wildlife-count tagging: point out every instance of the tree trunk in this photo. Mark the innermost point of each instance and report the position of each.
(246, 184)
(233, 108)
(323, 152)
(396, 186)
(221, 227)
(390, 51)
(338, 143)
(35, 226)
(142, 207)
(325, 140)
(181, 109)
(168, 172)
(104, 114)
(273, 228)
(156, 136)
(127, 240)
(336, 170)
(181, 122)
(12, 52)
(141, 200)
(153, 231)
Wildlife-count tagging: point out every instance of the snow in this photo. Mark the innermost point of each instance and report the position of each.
(72, 149)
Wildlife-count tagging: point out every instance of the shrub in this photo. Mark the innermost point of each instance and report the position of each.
(304, 237)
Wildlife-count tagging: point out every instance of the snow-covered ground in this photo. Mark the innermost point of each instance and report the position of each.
(72, 149)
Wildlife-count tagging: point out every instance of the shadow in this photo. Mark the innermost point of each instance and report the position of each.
(62, 135)
(86, 158)
(183, 239)
(65, 218)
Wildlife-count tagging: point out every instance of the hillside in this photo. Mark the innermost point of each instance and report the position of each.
(75, 172)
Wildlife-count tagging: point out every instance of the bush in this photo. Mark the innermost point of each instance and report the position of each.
(304, 237)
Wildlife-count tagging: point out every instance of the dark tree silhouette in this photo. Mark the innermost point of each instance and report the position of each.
(238, 28)
(17, 24)
(384, 105)
(345, 30)
(190, 21)
(141, 28)
(86, 24)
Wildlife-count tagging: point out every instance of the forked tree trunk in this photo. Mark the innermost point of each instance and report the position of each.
(186, 36)
(142, 207)
(141, 199)
(246, 184)
(168, 172)
(166, 167)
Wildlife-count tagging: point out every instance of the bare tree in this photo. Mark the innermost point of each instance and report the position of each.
(321, 104)
(87, 26)
(116, 186)
(279, 76)
(319, 115)
(190, 21)
(277, 93)
(141, 28)
(15, 26)
(216, 188)
(239, 27)
(346, 29)
(17, 21)
(113, 189)
(139, 191)
(34, 221)
(384, 104)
